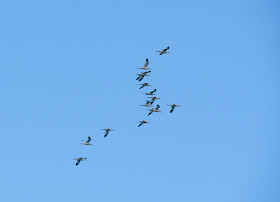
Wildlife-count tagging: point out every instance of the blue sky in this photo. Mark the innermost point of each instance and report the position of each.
(67, 70)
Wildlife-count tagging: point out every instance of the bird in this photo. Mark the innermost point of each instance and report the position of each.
(154, 110)
(142, 75)
(147, 104)
(173, 107)
(151, 93)
(107, 130)
(142, 122)
(87, 142)
(153, 99)
(145, 65)
(144, 84)
(163, 51)
(79, 160)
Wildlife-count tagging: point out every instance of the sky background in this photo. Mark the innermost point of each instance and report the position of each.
(67, 70)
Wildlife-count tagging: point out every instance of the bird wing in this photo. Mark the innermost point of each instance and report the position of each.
(150, 113)
(106, 133)
(140, 77)
(147, 102)
(172, 108)
(78, 161)
(88, 140)
(146, 63)
(166, 49)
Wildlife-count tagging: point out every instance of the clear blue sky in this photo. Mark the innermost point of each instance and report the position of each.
(67, 69)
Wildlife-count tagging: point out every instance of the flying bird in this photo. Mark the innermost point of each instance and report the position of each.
(151, 93)
(163, 51)
(142, 75)
(79, 160)
(87, 142)
(144, 84)
(142, 122)
(153, 99)
(147, 104)
(173, 107)
(145, 65)
(107, 130)
(154, 110)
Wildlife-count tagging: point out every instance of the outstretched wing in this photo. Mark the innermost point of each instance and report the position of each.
(152, 100)
(140, 124)
(147, 102)
(106, 133)
(166, 49)
(172, 108)
(88, 140)
(141, 77)
(146, 63)
(78, 161)
(150, 113)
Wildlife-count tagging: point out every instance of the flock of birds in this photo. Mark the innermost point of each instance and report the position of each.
(148, 103)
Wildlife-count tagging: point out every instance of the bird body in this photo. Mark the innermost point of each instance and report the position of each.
(142, 75)
(144, 84)
(107, 130)
(145, 65)
(153, 99)
(142, 122)
(79, 160)
(87, 142)
(156, 109)
(151, 93)
(173, 107)
(147, 104)
(164, 51)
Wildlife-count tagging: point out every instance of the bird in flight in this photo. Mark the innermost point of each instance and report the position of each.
(144, 84)
(79, 160)
(107, 130)
(147, 104)
(163, 51)
(142, 75)
(154, 110)
(173, 107)
(142, 122)
(153, 99)
(151, 93)
(87, 142)
(145, 65)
